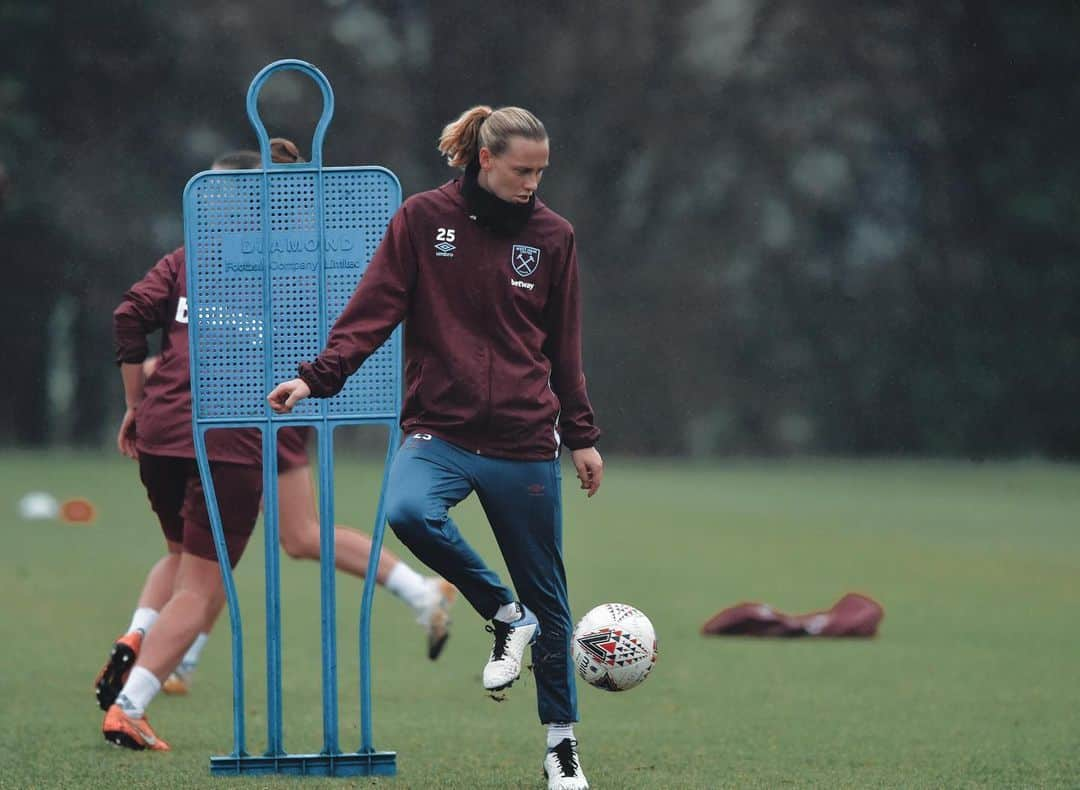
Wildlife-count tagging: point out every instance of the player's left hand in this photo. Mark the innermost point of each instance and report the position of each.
(590, 468)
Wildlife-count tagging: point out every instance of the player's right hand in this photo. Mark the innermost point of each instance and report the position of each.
(287, 394)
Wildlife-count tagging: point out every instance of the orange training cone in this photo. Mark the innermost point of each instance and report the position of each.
(77, 511)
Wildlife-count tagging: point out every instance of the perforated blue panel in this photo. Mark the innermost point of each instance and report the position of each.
(239, 310)
(375, 390)
(294, 276)
(229, 313)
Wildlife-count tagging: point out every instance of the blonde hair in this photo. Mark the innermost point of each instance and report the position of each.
(482, 127)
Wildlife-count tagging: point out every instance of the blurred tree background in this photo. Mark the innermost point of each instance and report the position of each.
(843, 228)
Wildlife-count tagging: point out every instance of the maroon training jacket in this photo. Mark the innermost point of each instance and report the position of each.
(163, 420)
(492, 329)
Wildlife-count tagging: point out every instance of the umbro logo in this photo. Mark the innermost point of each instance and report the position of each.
(444, 247)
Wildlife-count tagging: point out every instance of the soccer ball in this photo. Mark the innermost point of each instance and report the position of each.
(614, 647)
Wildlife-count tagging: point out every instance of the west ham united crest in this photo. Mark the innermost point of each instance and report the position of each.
(524, 259)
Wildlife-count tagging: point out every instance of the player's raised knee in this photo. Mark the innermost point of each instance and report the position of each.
(407, 516)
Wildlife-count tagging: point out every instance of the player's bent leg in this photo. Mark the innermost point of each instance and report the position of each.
(426, 480)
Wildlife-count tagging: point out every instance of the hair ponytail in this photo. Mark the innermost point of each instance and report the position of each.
(460, 139)
(482, 127)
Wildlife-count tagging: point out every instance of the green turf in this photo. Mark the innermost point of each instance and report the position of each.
(973, 681)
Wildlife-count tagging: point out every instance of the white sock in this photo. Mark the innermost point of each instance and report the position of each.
(191, 657)
(556, 733)
(143, 618)
(508, 613)
(408, 585)
(141, 687)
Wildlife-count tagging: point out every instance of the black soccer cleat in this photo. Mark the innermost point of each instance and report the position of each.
(113, 675)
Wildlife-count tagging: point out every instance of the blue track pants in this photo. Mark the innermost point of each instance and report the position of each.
(523, 503)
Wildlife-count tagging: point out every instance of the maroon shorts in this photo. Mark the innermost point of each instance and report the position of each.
(292, 448)
(176, 496)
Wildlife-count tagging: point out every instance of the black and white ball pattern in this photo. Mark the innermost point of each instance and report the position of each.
(614, 647)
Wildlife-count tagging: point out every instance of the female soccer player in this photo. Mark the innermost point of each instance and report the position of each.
(486, 278)
(183, 592)
(430, 598)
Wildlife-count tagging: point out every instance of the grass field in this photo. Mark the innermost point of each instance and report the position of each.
(972, 682)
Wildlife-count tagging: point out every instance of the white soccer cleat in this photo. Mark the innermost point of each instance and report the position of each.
(511, 639)
(434, 615)
(563, 769)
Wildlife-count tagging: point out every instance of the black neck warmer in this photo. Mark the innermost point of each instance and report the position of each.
(498, 216)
